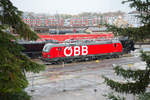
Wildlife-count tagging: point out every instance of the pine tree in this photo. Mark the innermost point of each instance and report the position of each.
(140, 78)
(13, 64)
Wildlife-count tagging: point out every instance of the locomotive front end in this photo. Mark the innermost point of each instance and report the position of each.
(45, 52)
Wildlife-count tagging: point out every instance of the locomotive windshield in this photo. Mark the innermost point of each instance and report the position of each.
(46, 48)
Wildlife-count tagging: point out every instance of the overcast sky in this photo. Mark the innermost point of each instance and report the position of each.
(70, 6)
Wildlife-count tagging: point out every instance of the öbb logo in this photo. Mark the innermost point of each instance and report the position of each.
(75, 50)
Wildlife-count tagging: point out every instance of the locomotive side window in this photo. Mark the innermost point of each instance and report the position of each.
(115, 45)
(59, 49)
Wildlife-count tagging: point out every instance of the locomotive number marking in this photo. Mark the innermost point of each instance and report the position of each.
(76, 51)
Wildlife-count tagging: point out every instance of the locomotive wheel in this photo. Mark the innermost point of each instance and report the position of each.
(53, 63)
(87, 59)
(76, 60)
(90, 58)
(115, 56)
(69, 60)
(56, 62)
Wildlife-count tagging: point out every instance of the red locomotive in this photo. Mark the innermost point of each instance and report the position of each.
(85, 50)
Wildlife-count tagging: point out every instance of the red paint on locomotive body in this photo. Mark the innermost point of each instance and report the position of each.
(51, 51)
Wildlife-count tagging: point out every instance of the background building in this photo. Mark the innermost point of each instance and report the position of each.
(46, 23)
(132, 19)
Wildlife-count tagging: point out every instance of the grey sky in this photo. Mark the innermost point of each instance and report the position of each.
(70, 6)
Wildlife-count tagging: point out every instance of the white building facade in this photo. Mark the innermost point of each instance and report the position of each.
(133, 19)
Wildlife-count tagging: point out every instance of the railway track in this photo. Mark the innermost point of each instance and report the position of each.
(57, 70)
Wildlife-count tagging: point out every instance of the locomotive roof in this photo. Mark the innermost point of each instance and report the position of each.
(83, 43)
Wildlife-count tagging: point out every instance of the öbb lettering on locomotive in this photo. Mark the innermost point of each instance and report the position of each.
(76, 50)
(81, 50)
